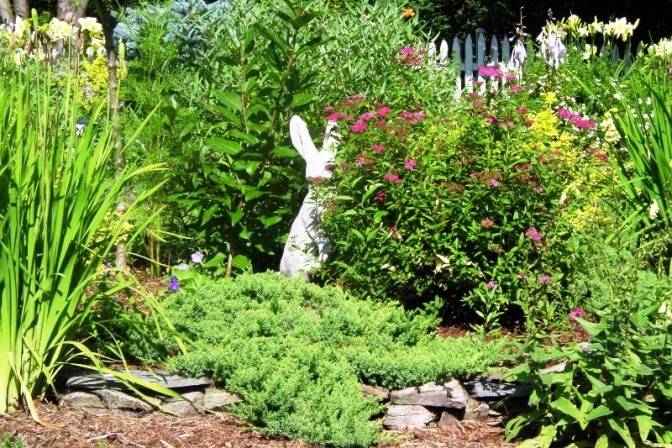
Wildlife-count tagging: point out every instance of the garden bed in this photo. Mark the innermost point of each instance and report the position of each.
(76, 428)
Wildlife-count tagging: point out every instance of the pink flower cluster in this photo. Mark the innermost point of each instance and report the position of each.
(377, 148)
(391, 177)
(409, 164)
(411, 57)
(492, 72)
(576, 119)
(576, 313)
(411, 117)
(533, 234)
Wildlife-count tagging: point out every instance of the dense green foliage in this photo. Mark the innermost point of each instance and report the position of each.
(616, 389)
(11, 442)
(296, 353)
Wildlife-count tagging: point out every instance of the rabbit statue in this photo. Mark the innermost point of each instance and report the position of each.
(307, 245)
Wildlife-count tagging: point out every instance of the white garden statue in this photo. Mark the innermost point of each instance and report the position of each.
(307, 244)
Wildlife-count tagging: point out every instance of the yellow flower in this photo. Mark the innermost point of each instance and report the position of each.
(550, 98)
(407, 13)
(19, 27)
(59, 29)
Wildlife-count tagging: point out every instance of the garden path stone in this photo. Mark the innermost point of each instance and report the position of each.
(82, 400)
(380, 393)
(115, 399)
(218, 400)
(449, 395)
(400, 417)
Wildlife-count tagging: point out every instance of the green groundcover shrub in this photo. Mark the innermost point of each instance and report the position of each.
(297, 353)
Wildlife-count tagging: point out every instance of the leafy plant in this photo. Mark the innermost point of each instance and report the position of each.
(55, 193)
(614, 390)
(296, 353)
(8, 441)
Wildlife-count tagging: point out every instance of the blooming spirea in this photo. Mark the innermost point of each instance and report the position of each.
(544, 278)
(533, 234)
(576, 313)
(377, 148)
(409, 164)
(380, 197)
(358, 127)
(391, 177)
(490, 284)
(487, 223)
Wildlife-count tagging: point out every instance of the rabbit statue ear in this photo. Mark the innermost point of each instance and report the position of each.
(298, 131)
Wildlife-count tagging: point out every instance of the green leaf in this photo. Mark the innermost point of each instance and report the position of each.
(622, 430)
(241, 262)
(269, 221)
(598, 412)
(602, 442)
(644, 424)
(223, 145)
(230, 99)
(565, 406)
(301, 99)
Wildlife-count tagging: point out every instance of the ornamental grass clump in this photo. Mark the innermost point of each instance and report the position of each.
(55, 193)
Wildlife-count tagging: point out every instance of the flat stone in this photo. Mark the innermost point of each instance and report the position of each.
(493, 391)
(82, 400)
(114, 399)
(218, 400)
(449, 395)
(475, 410)
(86, 380)
(380, 393)
(447, 419)
(400, 417)
(189, 405)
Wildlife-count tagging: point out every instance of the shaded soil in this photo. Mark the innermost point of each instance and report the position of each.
(75, 428)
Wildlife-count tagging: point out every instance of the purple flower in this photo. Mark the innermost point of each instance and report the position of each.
(491, 284)
(490, 119)
(174, 285)
(406, 51)
(565, 113)
(182, 267)
(359, 127)
(394, 178)
(409, 164)
(494, 182)
(197, 257)
(576, 312)
(533, 234)
(490, 72)
(544, 278)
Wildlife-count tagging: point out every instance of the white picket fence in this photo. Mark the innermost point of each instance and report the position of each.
(498, 51)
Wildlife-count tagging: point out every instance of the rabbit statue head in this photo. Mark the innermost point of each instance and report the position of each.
(307, 244)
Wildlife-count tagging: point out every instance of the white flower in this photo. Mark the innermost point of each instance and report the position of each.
(19, 56)
(19, 27)
(552, 49)
(589, 51)
(653, 210)
(182, 267)
(518, 55)
(611, 134)
(59, 29)
(90, 24)
(620, 28)
(595, 27)
(662, 49)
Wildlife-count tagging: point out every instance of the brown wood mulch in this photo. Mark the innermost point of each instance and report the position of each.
(75, 428)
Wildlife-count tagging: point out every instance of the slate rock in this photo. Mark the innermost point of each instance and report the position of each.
(448, 395)
(189, 405)
(218, 399)
(447, 419)
(379, 393)
(114, 399)
(86, 380)
(493, 391)
(475, 410)
(400, 417)
(82, 400)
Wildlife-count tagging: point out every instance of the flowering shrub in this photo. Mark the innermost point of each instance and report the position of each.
(470, 206)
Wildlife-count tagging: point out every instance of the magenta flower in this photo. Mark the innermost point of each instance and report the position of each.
(358, 127)
(380, 197)
(359, 161)
(510, 76)
(406, 51)
(366, 116)
(381, 123)
(533, 234)
(576, 312)
(336, 116)
(515, 89)
(583, 123)
(383, 111)
(174, 284)
(377, 148)
(412, 117)
(491, 284)
(522, 110)
(490, 72)
(197, 257)
(478, 104)
(391, 177)
(409, 164)
(487, 223)
(565, 113)
(543, 279)
(494, 183)
(490, 119)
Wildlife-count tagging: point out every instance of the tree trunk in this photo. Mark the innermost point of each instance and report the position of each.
(21, 8)
(66, 10)
(6, 14)
(81, 8)
(108, 22)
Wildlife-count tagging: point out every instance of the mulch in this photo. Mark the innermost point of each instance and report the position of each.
(76, 428)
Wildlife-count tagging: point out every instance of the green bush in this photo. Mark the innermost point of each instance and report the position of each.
(8, 441)
(296, 353)
(474, 202)
(617, 389)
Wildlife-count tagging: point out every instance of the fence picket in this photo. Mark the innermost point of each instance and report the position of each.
(457, 61)
(469, 64)
(506, 51)
(443, 52)
(480, 61)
